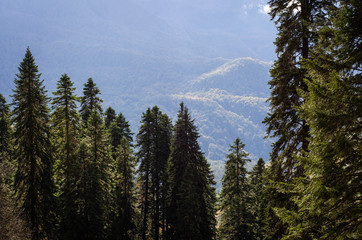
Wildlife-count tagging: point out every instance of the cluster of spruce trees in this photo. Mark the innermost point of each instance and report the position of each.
(69, 174)
(314, 179)
(75, 172)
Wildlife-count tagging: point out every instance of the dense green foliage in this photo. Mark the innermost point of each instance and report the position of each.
(65, 126)
(110, 116)
(77, 180)
(153, 140)
(33, 150)
(191, 212)
(98, 208)
(125, 223)
(90, 101)
(258, 207)
(330, 193)
(314, 187)
(236, 221)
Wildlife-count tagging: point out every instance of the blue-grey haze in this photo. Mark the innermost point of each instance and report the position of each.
(147, 52)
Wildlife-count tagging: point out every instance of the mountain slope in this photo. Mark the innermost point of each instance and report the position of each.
(143, 53)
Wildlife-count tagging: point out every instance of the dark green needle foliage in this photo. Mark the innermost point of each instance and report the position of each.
(5, 130)
(296, 23)
(119, 128)
(153, 140)
(65, 128)
(99, 196)
(123, 124)
(91, 190)
(125, 223)
(90, 101)
(258, 207)
(82, 195)
(162, 131)
(191, 212)
(235, 207)
(144, 154)
(330, 194)
(33, 150)
(110, 116)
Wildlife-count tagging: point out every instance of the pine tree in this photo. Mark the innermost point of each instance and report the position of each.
(258, 200)
(99, 196)
(330, 193)
(153, 141)
(90, 101)
(162, 130)
(82, 194)
(119, 128)
(191, 212)
(144, 143)
(296, 22)
(33, 150)
(92, 187)
(110, 116)
(124, 226)
(65, 119)
(236, 220)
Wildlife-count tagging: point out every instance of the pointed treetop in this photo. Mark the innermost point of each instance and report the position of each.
(90, 101)
(110, 116)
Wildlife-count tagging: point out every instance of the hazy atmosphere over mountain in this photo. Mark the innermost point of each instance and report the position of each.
(214, 55)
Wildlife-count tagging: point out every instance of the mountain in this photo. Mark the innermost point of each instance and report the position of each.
(142, 53)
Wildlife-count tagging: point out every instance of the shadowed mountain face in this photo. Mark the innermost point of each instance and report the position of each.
(142, 53)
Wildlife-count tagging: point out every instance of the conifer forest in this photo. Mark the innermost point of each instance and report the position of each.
(71, 168)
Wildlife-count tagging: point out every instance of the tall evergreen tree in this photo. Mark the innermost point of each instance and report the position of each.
(162, 130)
(296, 21)
(236, 220)
(144, 143)
(65, 119)
(124, 226)
(191, 212)
(257, 198)
(82, 194)
(153, 141)
(33, 150)
(92, 187)
(90, 101)
(330, 193)
(99, 196)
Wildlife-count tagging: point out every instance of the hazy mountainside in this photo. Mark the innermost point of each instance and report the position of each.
(142, 53)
